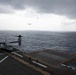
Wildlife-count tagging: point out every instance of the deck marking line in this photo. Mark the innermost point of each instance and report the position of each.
(39, 64)
(3, 59)
(32, 66)
(17, 54)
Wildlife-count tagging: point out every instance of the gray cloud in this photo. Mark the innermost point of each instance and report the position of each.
(6, 9)
(60, 7)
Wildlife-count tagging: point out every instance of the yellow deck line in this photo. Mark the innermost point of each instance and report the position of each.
(41, 61)
(29, 65)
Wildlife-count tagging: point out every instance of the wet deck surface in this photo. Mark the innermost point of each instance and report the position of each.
(11, 66)
(47, 62)
(52, 57)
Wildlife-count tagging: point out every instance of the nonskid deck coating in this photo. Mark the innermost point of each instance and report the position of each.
(53, 57)
(11, 66)
(54, 60)
(42, 59)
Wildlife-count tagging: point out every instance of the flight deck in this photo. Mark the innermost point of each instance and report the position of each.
(15, 63)
(43, 62)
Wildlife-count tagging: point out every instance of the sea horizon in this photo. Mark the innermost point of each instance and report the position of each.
(41, 40)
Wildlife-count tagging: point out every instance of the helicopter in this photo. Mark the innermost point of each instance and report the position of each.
(5, 46)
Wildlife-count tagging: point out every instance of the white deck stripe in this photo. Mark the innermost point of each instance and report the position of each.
(3, 59)
(17, 54)
(39, 64)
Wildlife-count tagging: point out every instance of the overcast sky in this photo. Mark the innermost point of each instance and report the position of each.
(49, 15)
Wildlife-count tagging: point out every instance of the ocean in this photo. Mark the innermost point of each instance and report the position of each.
(33, 41)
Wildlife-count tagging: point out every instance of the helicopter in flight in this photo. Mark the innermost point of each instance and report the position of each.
(5, 46)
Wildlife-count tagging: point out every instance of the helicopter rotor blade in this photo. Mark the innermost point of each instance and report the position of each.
(14, 42)
(19, 36)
